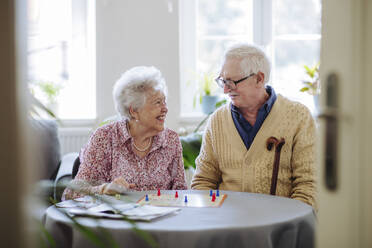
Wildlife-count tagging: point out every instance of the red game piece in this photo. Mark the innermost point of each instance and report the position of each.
(213, 197)
(176, 195)
(158, 192)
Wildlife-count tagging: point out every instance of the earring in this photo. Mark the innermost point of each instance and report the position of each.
(133, 118)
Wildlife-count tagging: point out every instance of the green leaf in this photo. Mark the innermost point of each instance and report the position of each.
(146, 236)
(191, 143)
(108, 237)
(109, 120)
(310, 84)
(194, 101)
(187, 164)
(36, 103)
(50, 90)
(220, 103)
(205, 86)
(310, 71)
(48, 236)
(102, 237)
(313, 85)
(304, 89)
(89, 234)
(190, 148)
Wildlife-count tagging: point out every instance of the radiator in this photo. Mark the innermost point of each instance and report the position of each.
(73, 139)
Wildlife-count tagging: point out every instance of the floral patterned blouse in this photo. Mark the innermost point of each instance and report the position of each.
(109, 154)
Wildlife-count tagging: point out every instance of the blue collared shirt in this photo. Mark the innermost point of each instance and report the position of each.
(246, 130)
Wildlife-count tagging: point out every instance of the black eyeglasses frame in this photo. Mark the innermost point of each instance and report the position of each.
(222, 82)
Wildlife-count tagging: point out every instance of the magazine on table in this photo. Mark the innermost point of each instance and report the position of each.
(109, 207)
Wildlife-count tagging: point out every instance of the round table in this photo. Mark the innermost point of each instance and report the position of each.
(243, 220)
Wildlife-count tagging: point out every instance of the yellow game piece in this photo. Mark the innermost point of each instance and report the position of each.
(117, 196)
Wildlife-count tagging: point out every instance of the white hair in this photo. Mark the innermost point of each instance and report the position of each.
(253, 59)
(131, 88)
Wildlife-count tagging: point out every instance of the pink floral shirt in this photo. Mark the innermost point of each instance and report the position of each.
(109, 154)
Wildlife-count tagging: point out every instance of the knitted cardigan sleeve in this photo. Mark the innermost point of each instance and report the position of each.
(303, 161)
(207, 175)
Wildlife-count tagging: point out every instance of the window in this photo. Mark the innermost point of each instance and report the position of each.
(290, 38)
(295, 43)
(61, 56)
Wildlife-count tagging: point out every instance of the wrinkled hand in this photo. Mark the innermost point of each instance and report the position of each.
(117, 186)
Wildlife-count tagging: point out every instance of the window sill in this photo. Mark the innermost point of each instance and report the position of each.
(188, 122)
(191, 118)
(67, 123)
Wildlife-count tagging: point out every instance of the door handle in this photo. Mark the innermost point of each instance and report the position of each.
(331, 116)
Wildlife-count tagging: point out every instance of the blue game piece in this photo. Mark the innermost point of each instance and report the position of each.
(185, 198)
(210, 192)
(147, 198)
(218, 192)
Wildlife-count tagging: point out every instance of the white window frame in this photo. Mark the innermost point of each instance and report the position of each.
(188, 48)
(84, 18)
(262, 19)
(262, 36)
(188, 44)
(83, 23)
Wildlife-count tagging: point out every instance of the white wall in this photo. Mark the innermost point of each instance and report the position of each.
(137, 32)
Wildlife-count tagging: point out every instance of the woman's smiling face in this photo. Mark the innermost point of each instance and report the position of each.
(152, 114)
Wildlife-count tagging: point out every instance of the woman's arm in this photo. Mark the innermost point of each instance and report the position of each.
(95, 168)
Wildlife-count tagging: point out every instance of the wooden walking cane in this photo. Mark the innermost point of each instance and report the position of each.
(278, 147)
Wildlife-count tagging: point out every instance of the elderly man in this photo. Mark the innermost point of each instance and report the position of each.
(261, 142)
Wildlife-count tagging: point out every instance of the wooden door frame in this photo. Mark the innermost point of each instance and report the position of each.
(345, 218)
(366, 125)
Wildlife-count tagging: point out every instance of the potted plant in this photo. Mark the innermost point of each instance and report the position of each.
(312, 84)
(39, 107)
(206, 93)
(47, 92)
(191, 145)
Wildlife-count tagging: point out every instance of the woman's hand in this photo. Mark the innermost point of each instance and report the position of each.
(117, 186)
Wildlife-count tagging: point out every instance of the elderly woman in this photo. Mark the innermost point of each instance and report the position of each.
(261, 142)
(136, 152)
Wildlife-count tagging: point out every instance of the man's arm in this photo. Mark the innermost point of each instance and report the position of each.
(207, 175)
(303, 161)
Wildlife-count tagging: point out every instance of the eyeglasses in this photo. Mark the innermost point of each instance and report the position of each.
(231, 84)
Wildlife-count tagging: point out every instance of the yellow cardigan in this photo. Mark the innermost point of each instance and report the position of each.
(225, 163)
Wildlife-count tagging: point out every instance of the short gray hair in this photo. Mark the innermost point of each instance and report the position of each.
(130, 89)
(253, 59)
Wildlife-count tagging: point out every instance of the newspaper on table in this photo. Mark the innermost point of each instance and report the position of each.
(109, 207)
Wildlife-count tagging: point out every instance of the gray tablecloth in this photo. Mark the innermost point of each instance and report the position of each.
(244, 220)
